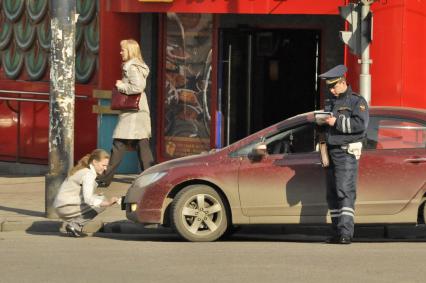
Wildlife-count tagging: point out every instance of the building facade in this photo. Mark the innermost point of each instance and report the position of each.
(220, 69)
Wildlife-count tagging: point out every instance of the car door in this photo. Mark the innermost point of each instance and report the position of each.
(289, 180)
(393, 166)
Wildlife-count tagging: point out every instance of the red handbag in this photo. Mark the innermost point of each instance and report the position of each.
(122, 101)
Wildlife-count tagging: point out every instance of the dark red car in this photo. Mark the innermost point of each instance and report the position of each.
(202, 196)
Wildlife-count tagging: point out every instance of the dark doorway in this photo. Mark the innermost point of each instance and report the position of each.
(265, 76)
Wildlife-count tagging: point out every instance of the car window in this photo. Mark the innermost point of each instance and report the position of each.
(297, 140)
(300, 139)
(245, 150)
(394, 133)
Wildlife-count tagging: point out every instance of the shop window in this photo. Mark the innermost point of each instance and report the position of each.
(187, 89)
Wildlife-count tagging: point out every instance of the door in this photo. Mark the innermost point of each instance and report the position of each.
(289, 180)
(235, 83)
(265, 76)
(393, 166)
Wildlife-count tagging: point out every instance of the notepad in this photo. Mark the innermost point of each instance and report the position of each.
(321, 116)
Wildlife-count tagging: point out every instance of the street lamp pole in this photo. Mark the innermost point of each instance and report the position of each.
(62, 98)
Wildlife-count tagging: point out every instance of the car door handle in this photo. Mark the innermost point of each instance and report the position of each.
(415, 160)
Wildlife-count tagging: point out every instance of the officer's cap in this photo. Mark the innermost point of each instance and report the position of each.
(333, 75)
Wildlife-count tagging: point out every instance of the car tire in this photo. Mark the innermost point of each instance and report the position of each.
(199, 214)
(423, 207)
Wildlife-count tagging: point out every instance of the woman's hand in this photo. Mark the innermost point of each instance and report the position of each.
(114, 200)
(110, 202)
(118, 82)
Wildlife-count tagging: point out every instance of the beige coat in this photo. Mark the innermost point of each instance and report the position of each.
(134, 125)
(79, 189)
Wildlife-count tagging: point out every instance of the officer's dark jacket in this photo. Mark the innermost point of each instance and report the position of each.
(351, 111)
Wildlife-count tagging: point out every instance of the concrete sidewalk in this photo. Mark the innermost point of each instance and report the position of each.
(22, 207)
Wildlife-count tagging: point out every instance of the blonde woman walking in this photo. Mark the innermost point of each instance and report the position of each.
(133, 127)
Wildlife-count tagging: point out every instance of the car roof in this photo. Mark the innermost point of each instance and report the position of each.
(410, 112)
(391, 111)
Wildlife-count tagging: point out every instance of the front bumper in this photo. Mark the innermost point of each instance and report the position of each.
(147, 204)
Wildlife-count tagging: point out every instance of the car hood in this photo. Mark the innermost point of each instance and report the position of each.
(204, 158)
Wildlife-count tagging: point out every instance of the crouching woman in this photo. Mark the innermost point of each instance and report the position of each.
(76, 203)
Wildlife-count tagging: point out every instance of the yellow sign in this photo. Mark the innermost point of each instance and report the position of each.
(157, 1)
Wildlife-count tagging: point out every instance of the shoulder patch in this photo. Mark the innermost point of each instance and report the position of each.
(362, 107)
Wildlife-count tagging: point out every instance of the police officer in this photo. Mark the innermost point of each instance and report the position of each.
(345, 131)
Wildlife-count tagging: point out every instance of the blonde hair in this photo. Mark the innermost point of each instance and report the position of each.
(133, 47)
(85, 161)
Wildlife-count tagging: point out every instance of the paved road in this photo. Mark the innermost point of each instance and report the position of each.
(243, 258)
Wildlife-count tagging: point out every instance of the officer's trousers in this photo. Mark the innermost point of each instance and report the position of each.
(342, 178)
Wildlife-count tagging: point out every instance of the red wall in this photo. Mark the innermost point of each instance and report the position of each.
(32, 144)
(387, 53)
(113, 28)
(414, 54)
(398, 54)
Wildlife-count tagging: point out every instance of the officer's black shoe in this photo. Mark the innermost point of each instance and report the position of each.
(345, 240)
(333, 240)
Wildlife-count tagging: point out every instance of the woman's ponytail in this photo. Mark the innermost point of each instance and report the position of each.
(85, 161)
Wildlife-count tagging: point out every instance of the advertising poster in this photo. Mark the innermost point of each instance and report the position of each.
(187, 116)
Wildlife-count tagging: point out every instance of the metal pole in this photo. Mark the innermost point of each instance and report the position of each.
(62, 99)
(365, 77)
(249, 79)
(228, 108)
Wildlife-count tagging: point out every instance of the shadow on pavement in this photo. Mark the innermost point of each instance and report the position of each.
(38, 227)
(141, 237)
(127, 231)
(22, 211)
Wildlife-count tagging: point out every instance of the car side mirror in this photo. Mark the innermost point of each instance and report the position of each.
(258, 152)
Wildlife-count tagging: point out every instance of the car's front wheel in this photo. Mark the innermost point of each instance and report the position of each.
(423, 210)
(199, 214)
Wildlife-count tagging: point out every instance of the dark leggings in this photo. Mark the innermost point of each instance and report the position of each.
(119, 147)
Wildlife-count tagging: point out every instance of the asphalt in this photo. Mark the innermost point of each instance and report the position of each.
(22, 207)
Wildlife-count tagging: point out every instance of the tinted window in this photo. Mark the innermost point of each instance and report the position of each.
(394, 133)
(296, 140)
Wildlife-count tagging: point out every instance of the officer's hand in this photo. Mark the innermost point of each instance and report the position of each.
(331, 121)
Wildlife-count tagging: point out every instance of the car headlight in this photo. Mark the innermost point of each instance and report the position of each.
(148, 179)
